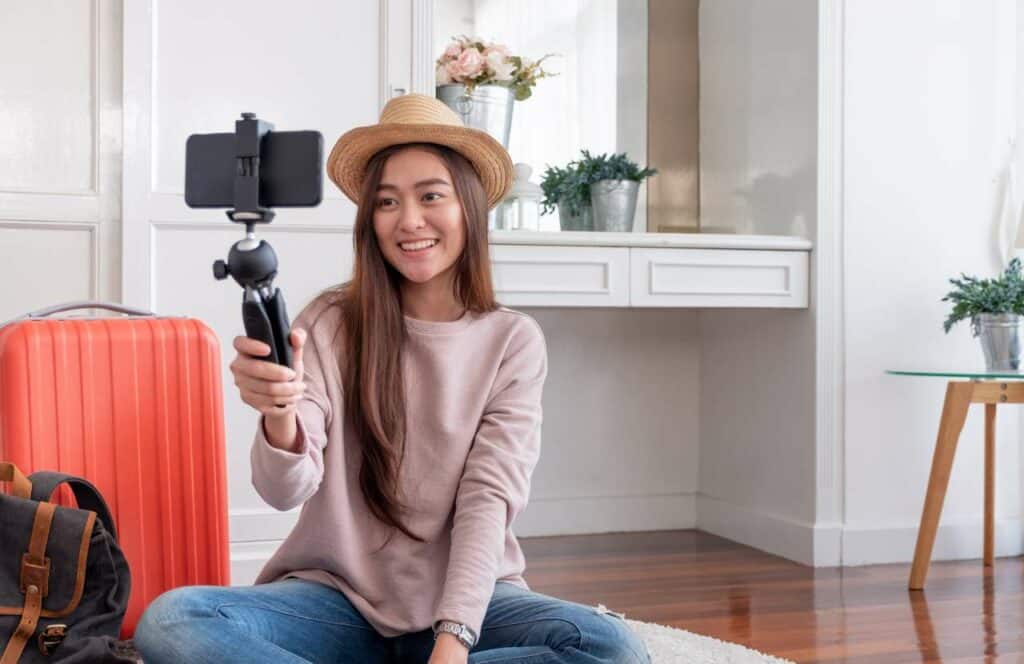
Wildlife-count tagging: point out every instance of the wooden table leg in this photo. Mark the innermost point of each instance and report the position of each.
(990, 483)
(954, 413)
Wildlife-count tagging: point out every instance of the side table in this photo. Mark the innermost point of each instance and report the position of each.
(989, 388)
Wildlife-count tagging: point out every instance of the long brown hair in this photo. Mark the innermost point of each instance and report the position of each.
(372, 328)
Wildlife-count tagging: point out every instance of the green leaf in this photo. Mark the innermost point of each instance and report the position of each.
(973, 296)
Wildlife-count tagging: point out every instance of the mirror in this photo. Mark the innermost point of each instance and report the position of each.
(598, 99)
(721, 97)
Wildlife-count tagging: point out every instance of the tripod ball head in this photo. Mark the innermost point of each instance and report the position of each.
(251, 262)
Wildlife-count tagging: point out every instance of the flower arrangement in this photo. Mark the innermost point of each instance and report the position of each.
(973, 296)
(472, 61)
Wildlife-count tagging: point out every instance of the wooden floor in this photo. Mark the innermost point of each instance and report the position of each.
(711, 586)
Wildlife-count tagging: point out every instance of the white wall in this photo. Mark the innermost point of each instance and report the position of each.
(620, 430)
(929, 98)
(930, 101)
(60, 137)
(758, 146)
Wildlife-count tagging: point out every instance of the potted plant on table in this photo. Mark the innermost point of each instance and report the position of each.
(594, 193)
(994, 307)
(568, 189)
(481, 80)
(615, 181)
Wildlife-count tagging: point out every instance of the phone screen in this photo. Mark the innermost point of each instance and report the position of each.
(291, 169)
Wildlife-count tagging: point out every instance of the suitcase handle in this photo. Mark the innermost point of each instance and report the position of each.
(86, 304)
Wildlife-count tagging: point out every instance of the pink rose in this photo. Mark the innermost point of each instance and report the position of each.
(471, 62)
(452, 51)
(453, 70)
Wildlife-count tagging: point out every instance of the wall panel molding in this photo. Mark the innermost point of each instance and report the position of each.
(827, 292)
(93, 229)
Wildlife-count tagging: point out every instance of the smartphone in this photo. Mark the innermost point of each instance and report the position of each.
(291, 169)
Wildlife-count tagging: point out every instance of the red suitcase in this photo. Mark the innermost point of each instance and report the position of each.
(134, 404)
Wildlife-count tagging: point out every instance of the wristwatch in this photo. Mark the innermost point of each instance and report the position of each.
(463, 632)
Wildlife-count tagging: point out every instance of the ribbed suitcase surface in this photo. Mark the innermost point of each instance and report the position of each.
(135, 406)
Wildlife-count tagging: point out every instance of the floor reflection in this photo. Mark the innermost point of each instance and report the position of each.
(927, 644)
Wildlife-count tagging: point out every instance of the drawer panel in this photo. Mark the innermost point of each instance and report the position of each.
(718, 278)
(558, 276)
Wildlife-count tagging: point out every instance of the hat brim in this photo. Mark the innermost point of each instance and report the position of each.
(346, 165)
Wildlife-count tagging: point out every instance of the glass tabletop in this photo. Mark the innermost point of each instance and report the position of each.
(980, 374)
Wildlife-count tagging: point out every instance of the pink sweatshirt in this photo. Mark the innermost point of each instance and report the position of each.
(473, 408)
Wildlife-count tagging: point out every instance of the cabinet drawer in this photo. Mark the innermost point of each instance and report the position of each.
(718, 278)
(556, 276)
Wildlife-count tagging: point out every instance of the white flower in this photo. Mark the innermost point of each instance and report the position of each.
(501, 67)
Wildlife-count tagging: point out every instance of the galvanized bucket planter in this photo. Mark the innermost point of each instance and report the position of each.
(614, 203)
(487, 107)
(1000, 340)
(584, 221)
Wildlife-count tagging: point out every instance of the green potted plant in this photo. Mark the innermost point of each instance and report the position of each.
(594, 193)
(614, 184)
(994, 307)
(568, 189)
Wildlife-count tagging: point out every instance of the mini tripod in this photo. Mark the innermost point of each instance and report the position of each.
(253, 264)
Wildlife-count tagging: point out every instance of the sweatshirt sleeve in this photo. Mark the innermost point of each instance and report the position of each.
(495, 482)
(285, 479)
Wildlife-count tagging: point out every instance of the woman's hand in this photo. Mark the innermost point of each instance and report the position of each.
(448, 650)
(270, 388)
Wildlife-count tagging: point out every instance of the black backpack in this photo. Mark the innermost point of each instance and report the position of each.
(64, 582)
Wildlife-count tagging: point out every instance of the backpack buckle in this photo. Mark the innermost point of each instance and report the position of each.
(51, 637)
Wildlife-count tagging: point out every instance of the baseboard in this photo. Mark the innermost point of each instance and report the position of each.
(606, 514)
(256, 533)
(865, 544)
(795, 540)
(248, 558)
(820, 545)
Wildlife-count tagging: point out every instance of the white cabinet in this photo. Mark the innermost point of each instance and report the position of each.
(717, 278)
(561, 276)
(649, 270)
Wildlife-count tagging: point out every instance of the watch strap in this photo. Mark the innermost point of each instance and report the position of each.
(462, 631)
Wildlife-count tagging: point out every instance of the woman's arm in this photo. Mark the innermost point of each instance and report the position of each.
(495, 484)
(286, 473)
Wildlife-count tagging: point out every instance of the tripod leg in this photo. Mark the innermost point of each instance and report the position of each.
(279, 324)
(257, 324)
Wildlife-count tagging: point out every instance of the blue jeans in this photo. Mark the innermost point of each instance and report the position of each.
(296, 620)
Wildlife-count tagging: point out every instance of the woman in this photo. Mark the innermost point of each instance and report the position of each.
(407, 432)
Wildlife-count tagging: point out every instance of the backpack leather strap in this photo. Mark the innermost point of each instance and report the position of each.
(35, 578)
(45, 482)
(22, 488)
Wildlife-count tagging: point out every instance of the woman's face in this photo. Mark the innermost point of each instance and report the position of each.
(416, 201)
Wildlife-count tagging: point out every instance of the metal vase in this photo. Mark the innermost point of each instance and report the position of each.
(1000, 340)
(584, 221)
(614, 203)
(487, 107)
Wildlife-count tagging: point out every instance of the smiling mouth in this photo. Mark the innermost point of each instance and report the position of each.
(417, 247)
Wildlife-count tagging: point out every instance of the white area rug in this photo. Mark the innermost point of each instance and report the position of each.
(668, 645)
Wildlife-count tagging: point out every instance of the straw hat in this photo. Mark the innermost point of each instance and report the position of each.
(415, 118)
